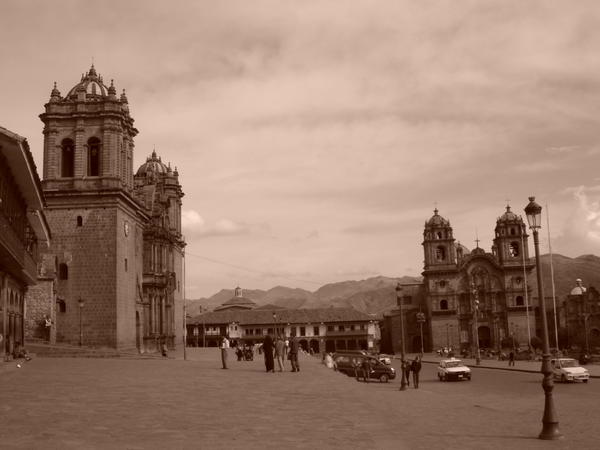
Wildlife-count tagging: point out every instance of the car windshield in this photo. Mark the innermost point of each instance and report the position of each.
(453, 364)
(568, 363)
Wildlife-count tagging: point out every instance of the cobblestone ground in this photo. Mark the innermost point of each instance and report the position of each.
(70, 403)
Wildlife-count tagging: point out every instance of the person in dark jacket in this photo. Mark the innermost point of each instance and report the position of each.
(406, 369)
(268, 351)
(415, 367)
(293, 353)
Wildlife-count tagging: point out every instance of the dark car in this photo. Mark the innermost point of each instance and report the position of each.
(355, 365)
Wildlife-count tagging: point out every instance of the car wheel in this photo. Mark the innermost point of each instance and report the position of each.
(444, 377)
(585, 381)
(563, 379)
(383, 378)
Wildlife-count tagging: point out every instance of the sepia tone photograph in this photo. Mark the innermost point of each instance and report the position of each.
(278, 224)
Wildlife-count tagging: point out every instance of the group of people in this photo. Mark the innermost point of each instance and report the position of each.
(413, 366)
(272, 349)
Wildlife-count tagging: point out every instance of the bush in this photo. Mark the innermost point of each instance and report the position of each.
(536, 343)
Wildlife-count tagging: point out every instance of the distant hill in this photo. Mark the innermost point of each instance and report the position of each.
(377, 294)
(566, 271)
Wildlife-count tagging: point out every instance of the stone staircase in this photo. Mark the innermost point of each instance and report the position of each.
(40, 348)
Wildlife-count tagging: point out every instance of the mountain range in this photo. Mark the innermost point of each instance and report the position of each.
(377, 294)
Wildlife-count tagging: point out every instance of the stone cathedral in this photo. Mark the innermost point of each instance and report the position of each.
(117, 247)
(465, 295)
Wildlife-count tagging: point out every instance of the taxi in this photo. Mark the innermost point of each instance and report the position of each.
(453, 369)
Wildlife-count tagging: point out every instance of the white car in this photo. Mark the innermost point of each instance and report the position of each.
(453, 369)
(387, 360)
(567, 369)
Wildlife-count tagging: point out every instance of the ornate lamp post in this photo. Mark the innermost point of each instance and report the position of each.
(550, 419)
(403, 381)
(81, 303)
(475, 322)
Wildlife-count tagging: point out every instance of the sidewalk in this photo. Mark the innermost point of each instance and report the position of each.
(520, 366)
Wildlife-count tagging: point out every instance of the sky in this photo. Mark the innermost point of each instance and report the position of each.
(314, 139)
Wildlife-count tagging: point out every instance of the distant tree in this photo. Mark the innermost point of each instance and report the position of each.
(509, 342)
(536, 343)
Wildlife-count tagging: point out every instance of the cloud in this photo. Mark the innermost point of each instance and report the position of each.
(194, 225)
(581, 232)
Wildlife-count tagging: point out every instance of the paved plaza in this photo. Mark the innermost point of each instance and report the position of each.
(128, 403)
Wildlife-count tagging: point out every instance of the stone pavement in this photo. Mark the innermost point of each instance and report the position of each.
(119, 403)
(520, 366)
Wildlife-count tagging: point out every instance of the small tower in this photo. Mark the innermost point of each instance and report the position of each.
(510, 241)
(438, 244)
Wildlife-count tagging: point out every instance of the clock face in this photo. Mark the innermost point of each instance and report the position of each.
(126, 228)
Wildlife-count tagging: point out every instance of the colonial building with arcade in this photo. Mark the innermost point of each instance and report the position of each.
(117, 240)
(318, 329)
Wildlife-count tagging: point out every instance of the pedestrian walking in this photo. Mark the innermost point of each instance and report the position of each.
(406, 368)
(293, 353)
(280, 353)
(511, 358)
(415, 367)
(224, 350)
(268, 351)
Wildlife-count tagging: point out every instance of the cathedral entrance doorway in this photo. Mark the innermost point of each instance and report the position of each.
(485, 339)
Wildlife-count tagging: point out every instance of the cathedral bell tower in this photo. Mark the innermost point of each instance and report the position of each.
(96, 220)
(438, 244)
(88, 138)
(510, 241)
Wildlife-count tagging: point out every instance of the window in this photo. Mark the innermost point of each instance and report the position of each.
(62, 306)
(438, 235)
(352, 327)
(519, 301)
(302, 331)
(444, 305)
(315, 331)
(362, 326)
(94, 157)
(341, 328)
(512, 232)
(442, 284)
(440, 253)
(513, 249)
(63, 271)
(125, 264)
(407, 300)
(330, 328)
(79, 221)
(67, 158)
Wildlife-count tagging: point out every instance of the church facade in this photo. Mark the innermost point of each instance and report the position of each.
(467, 296)
(117, 239)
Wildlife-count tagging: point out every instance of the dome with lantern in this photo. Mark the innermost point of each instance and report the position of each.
(437, 220)
(92, 84)
(509, 217)
(153, 165)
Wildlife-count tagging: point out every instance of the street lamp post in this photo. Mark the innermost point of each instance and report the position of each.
(81, 303)
(550, 419)
(476, 323)
(275, 331)
(403, 381)
(421, 320)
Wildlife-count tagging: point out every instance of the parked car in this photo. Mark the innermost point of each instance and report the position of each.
(567, 369)
(353, 364)
(453, 369)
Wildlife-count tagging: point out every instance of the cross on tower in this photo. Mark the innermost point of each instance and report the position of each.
(476, 238)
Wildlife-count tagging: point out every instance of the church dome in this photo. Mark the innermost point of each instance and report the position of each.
(91, 83)
(509, 216)
(153, 165)
(437, 220)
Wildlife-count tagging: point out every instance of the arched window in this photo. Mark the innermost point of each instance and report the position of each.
(440, 253)
(63, 271)
(513, 249)
(93, 157)
(79, 221)
(62, 306)
(438, 235)
(512, 232)
(67, 158)
(444, 305)
(519, 301)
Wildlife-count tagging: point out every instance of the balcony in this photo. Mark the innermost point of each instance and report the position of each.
(14, 255)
